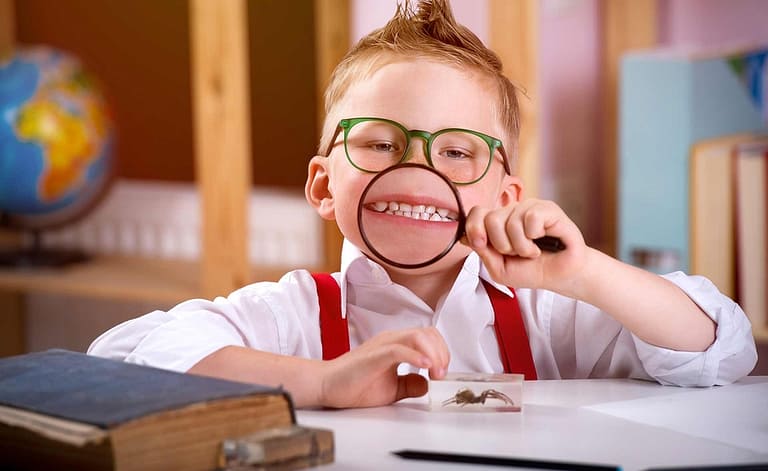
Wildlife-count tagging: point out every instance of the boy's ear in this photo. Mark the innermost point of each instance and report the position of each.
(318, 190)
(512, 190)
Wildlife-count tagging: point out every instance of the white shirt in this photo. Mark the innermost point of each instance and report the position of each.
(568, 338)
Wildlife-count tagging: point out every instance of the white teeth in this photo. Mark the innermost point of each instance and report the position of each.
(416, 211)
(380, 206)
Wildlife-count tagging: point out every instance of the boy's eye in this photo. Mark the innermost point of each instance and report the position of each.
(456, 154)
(383, 147)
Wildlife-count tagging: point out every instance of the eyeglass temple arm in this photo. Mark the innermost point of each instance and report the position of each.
(507, 165)
(330, 143)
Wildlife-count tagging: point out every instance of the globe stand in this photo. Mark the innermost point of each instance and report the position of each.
(36, 256)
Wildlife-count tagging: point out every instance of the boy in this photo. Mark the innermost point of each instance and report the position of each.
(584, 313)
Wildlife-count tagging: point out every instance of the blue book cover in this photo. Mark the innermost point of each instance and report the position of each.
(106, 393)
(668, 101)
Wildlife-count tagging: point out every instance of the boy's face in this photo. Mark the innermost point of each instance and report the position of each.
(422, 95)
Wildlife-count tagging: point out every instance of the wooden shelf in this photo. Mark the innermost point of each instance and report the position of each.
(121, 278)
(128, 279)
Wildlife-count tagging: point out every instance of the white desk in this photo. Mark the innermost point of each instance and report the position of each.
(633, 424)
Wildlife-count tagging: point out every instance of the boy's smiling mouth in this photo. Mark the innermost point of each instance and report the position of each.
(414, 211)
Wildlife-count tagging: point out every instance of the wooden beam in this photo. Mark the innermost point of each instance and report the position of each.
(220, 97)
(332, 40)
(514, 36)
(11, 324)
(625, 25)
(7, 28)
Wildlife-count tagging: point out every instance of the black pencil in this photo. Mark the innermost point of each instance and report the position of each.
(501, 461)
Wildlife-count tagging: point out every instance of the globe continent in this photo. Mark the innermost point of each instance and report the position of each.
(56, 140)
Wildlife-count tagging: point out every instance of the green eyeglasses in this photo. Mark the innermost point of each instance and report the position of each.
(375, 144)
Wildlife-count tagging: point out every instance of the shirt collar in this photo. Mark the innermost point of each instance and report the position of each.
(356, 265)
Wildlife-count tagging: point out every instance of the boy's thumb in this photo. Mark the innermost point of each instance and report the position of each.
(411, 385)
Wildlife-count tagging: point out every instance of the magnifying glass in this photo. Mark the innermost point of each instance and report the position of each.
(410, 216)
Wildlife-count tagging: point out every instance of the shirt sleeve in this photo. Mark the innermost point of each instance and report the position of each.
(265, 316)
(731, 356)
(588, 343)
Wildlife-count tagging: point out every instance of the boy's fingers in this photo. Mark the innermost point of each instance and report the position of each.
(474, 228)
(521, 243)
(410, 385)
(437, 373)
(499, 224)
(544, 217)
(442, 350)
(430, 343)
(387, 356)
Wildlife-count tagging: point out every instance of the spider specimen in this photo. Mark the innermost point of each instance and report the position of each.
(465, 396)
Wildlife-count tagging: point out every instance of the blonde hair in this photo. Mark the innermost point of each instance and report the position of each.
(428, 32)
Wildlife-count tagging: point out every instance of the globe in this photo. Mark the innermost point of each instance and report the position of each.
(56, 140)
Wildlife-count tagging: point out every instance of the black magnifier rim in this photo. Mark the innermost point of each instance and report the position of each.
(459, 228)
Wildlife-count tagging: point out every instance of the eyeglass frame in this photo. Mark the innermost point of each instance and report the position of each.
(346, 124)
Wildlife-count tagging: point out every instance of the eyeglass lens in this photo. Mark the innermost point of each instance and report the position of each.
(376, 145)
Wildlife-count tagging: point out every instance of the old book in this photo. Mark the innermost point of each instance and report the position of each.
(712, 220)
(66, 410)
(751, 207)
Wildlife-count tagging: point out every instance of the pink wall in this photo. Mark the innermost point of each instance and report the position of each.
(569, 67)
(713, 23)
(368, 15)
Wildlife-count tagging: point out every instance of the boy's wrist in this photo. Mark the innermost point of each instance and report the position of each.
(587, 279)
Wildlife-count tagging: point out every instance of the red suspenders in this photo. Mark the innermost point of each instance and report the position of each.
(510, 333)
(510, 330)
(334, 332)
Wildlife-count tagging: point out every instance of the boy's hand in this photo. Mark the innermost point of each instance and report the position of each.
(367, 375)
(503, 238)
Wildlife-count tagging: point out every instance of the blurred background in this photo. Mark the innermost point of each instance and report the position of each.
(150, 236)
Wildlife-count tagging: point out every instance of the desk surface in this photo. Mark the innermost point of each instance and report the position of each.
(629, 423)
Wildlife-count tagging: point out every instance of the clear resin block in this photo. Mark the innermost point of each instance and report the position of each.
(477, 392)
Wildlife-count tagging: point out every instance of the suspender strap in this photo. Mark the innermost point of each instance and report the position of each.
(510, 333)
(334, 332)
(514, 348)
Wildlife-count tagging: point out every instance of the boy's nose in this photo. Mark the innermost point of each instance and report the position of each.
(417, 152)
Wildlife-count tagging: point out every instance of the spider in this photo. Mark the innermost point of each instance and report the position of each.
(465, 396)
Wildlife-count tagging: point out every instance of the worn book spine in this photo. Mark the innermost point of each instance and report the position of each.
(287, 448)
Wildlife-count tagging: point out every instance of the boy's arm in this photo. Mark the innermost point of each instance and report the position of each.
(364, 377)
(654, 309)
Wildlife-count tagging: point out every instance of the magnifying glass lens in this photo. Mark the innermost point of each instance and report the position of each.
(410, 216)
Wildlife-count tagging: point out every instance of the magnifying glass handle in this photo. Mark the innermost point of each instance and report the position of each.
(549, 244)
